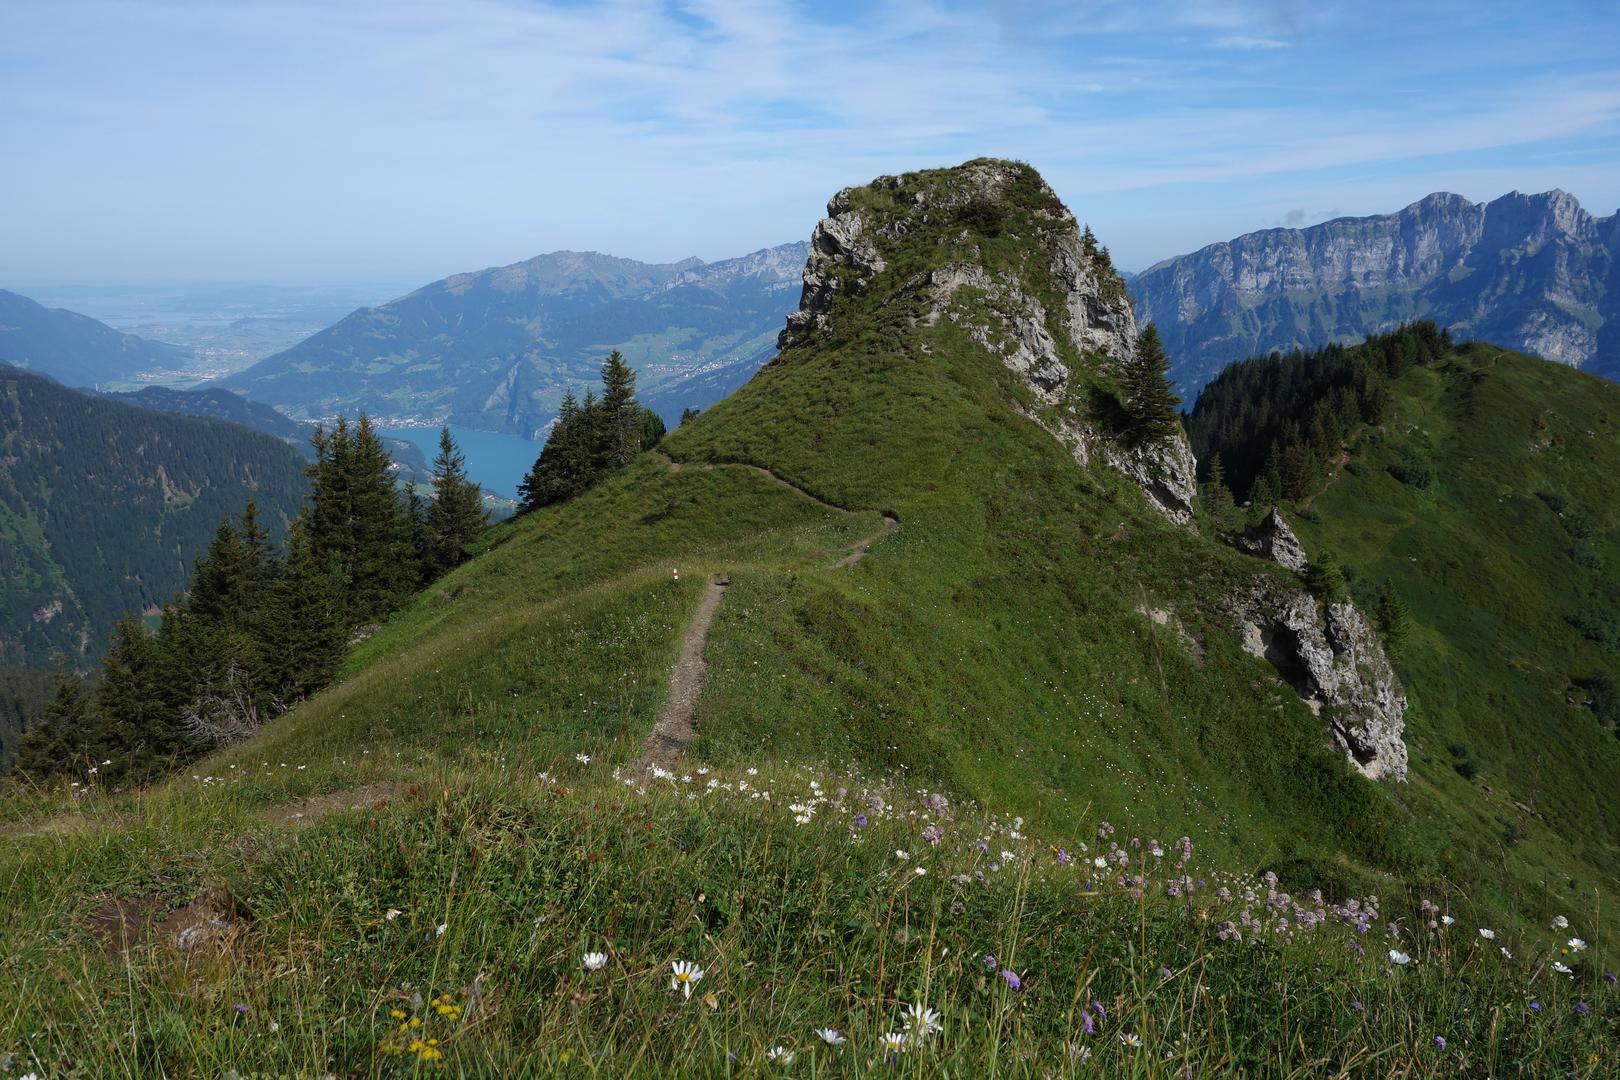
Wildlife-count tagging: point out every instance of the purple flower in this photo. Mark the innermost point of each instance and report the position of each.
(1608, 977)
(1535, 1006)
(239, 1007)
(1015, 983)
(1102, 1012)
(1440, 1041)
(1062, 856)
(1582, 1008)
(1358, 1006)
(990, 961)
(860, 821)
(1086, 1023)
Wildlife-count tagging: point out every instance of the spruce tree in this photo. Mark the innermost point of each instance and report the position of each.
(230, 578)
(380, 565)
(136, 694)
(1218, 498)
(303, 626)
(62, 740)
(652, 429)
(457, 515)
(620, 423)
(1150, 404)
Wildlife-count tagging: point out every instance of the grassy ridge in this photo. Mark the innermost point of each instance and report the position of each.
(993, 648)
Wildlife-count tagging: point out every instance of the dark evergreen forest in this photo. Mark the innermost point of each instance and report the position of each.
(104, 507)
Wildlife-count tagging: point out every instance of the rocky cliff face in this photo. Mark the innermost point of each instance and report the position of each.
(1060, 319)
(1529, 272)
(1328, 653)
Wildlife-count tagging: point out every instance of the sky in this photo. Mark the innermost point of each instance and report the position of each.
(298, 142)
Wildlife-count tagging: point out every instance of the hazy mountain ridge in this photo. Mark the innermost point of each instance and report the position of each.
(496, 349)
(75, 349)
(1528, 272)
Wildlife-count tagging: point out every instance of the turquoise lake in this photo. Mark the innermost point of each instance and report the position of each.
(497, 462)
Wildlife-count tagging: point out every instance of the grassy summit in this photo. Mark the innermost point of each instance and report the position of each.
(431, 825)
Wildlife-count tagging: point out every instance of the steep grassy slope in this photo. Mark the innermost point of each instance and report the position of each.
(991, 648)
(1510, 548)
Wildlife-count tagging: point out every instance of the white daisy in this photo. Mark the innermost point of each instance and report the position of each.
(683, 976)
(594, 961)
(831, 1036)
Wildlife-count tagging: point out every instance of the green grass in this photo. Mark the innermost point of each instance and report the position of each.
(330, 927)
(991, 649)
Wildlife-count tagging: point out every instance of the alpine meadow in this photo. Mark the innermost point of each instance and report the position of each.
(997, 757)
(949, 541)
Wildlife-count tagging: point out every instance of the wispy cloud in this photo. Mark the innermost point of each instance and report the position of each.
(368, 134)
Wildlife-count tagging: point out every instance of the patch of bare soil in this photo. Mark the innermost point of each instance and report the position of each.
(207, 923)
(316, 807)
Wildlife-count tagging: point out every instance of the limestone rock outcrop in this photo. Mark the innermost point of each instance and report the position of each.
(1060, 310)
(1335, 662)
(1273, 539)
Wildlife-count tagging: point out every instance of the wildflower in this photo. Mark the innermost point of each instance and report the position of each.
(1560, 923)
(440, 931)
(1608, 977)
(1562, 969)
(239, 1008)
(392, 913)
(397, 1014)
(595, 961)
(990, 961)
(1398, 957)
(923, 1020)
(831, 1036)
(902, 855)
(1130, 1039)
(1576, 944)
(683, 976)
(1013, 981)
(1440, 1041)
(894, 1043)
(860, 821)
(1358, 1006)
(780, 1054)
(1486, 934)
(1505, 954)
(1535, 1006)
(919, 870)
(1582, 1008)
(1447, 920)
(712, 1001)
(583, 759)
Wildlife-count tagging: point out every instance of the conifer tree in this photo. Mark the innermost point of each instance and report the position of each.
(620, 423)
(135, 697)
(303, 625)
(457, 515)
(1150, 404)
(652, 429)
(1218, 498)
(232, 575)
(379, 559)
(59, 742)
(688, 415)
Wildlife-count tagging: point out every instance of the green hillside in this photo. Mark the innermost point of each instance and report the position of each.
(105, 506)
(931, 698)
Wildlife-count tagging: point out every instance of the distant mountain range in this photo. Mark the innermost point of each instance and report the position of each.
(104, 507)
(496, 349)
(75, 349)
(1529, 272)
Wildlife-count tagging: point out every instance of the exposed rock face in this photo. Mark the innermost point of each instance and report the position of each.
(1336, 664)
(1273, 539)
(1529, 272)
(1001, 308)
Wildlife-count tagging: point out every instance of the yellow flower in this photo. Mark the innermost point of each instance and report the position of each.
(711, 1000)
(397, 1014)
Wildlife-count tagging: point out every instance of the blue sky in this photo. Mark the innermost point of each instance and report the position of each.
(169, 140)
